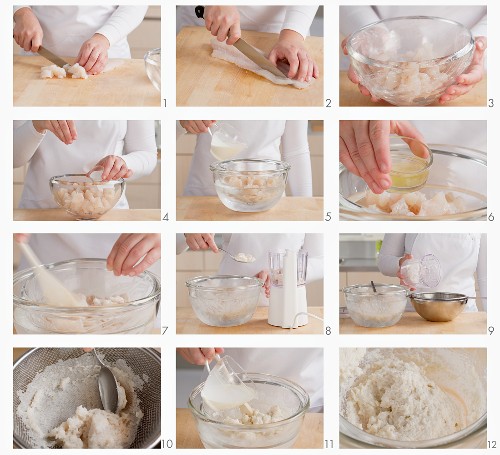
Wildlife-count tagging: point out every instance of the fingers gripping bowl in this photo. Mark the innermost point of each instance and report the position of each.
(88, 277)
(410, 61)
(222, 430)
(250, 185)
(83, 198)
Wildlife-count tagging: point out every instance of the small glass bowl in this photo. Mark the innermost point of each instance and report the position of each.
(152, 61)
(250, 185)
(409, 171)
(84, 198)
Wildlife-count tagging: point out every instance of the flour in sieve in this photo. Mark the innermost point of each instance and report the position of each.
(68, 390)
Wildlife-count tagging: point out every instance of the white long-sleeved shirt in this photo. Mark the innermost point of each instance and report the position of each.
(265, 139)
(353, 17)
(460, 257)
(133, 140)
(65, 28)
(262, 18)
(259, 246)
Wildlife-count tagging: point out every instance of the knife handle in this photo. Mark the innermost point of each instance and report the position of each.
(199, 11)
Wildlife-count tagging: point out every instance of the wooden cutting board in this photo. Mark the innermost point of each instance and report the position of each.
(351, 96)
(62, 215)
(206, 81)
(412, 323)
(310, 435)
(126, 85)
(187, 322)
(209, 208)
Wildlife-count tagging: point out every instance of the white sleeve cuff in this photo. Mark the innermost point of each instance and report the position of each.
(299, 19)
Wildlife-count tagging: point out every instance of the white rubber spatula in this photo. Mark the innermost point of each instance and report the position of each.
(53, 290)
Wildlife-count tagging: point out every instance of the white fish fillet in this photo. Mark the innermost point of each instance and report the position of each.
(76, 71)
(230, 54)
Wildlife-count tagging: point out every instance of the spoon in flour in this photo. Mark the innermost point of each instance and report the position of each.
(108, 387)
(240, 257)
(53, 290)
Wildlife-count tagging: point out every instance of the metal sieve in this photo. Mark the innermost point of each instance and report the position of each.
(140, 360)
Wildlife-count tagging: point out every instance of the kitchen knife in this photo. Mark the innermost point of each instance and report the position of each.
(51, 57)
(248, 50)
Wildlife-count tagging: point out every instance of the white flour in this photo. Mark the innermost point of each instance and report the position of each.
(60, 407)
(410, 394)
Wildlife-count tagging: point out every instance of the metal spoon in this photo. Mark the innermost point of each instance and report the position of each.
(108, 387)
(234, 258)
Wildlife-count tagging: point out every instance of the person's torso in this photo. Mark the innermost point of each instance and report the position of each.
(457, 255)
(96, 139)
(262, 139)
(65, 28)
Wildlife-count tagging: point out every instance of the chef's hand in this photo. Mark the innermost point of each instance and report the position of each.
(27, 30)
(472, 75)
(129, 249)
(290, 48)
(198, 356)
(196, 126)
(93, 54)
(351, 74)
(266, 278)
(406, 257)
(201, 242)
(22, 238)
(223, 22)
(64, 130)
(113, 168)
(365, 152)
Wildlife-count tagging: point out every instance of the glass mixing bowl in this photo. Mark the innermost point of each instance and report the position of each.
(224, 300)
(292, 399)
(472, 436)
(458, 170)
(90, 278)
(375, 309)
(84, 198)
(248, 185)
(410, 61)
(152, 60)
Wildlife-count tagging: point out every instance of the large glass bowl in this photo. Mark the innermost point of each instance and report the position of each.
(382, 308)
(87, 277)
(152, 60)
(224, 300)
(250, 185)
(458, 170)
(292, 399)
(410, 61)
(83, 198)
(473, 436)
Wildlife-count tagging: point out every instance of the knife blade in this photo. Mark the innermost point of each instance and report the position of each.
(256, 57)
(248, 50)
(51, 57)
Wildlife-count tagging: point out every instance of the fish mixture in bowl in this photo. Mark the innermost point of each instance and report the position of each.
(84, 198)
(410, 61)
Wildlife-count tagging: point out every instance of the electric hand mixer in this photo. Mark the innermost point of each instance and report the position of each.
(288, 301)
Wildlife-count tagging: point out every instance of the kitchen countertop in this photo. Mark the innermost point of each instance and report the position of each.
(412, 323)
(358, 265)
(210, 208)
(125, 85)
(187, 322)
(349, 95)
(62, 215)
(310, 435)
(206, 81)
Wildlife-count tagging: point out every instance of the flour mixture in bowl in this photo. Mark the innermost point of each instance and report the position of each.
(60, 407)
(411, 394)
